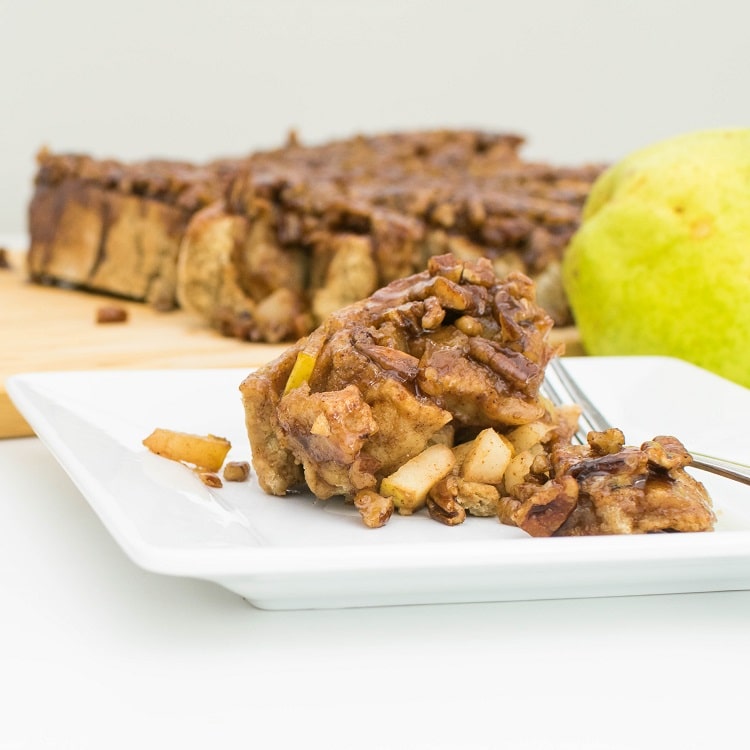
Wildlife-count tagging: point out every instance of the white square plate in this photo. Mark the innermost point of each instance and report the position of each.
(295, 552)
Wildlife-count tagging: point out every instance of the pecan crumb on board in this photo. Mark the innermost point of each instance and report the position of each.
(111, 314)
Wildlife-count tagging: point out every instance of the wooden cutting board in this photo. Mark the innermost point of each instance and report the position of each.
(44, 329)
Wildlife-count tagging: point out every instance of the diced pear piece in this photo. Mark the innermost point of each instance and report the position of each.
(518, 469)
(301, 371)
(488, 458)
(462, 450)
(410, 483)
(526, 435)
(205, 451)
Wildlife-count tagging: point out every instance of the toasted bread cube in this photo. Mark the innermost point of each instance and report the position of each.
(477, 498)
(444, 435)
(488, 458)
(410, 483)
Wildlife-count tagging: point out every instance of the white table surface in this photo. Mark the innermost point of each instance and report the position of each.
(97, 653)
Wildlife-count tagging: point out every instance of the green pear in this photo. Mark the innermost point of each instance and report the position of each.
(661, 261)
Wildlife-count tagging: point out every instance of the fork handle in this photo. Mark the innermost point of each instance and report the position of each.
(720, 466)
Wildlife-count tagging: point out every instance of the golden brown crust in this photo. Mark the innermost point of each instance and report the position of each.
(311, 228)
(357, 214)
(189, 186)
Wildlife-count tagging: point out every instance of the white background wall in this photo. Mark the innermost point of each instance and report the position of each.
(582, 79)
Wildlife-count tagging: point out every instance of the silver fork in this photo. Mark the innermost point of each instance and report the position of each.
(593, 419)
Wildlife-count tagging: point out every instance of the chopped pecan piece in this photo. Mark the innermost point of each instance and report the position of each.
(667, 453)
(373, 507)
(541, 511)
(236, 471)
(210, 479)
(442, 502)
(111, 314)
